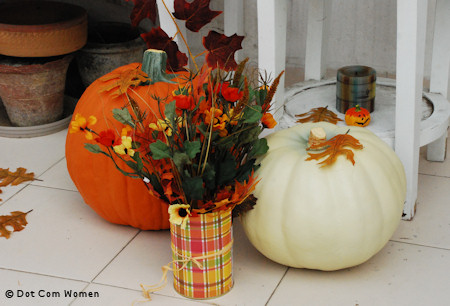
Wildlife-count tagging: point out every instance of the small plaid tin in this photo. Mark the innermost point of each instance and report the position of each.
(202, 266)
(355, 85)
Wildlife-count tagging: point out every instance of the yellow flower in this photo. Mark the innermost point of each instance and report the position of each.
(179, 214)
(163, 125)
(234, 119)
(219, 121)
(126, 130)
(125, 148)
(81, 124)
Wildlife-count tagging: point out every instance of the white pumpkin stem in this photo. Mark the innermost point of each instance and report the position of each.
(154, 65)
(317, 136)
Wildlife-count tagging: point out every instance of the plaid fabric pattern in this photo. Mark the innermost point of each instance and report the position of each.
(205, 235)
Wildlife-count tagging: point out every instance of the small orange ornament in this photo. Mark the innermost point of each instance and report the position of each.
(357, 116)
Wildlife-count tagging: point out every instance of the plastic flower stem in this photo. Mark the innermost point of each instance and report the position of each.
(200, 54)
(186, 126)
(145, 102)
(130, 174)
(181, 35)
(135, 113)
(209, 138)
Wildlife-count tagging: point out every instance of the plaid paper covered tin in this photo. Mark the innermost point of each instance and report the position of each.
(202, 254)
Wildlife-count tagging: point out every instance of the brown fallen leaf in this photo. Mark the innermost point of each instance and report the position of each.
(335, 147)
(318, 114)
(17, 220)
(15, 178)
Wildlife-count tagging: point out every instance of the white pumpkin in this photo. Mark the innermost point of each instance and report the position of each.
(326, 218)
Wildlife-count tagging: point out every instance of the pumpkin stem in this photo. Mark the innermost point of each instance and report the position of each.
(358, 108)
(317, 136)
(154, 65)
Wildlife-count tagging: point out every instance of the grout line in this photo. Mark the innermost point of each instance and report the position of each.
(47, 275)
(421, 245)
(13, 195)
(274, 290)
(139, 231)
(109, 262)
(56, 188)
(53, 165)
(435, 175)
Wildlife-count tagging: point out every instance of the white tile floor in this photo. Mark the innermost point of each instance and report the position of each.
(67, 247)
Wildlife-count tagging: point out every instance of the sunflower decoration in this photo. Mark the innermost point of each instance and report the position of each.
(179, 214)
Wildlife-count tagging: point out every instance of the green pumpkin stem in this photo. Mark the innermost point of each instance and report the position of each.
(154, 65)
(357, 108)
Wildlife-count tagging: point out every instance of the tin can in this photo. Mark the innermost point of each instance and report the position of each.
(355, 85)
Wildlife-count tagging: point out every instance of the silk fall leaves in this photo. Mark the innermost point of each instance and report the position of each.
(220, 48)
(333, 147)
(16, 219)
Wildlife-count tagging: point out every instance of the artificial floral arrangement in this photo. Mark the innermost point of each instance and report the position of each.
(196, 147)
(197, 151)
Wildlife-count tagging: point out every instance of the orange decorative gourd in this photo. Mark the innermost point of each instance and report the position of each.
(357, 116)
(114, 196)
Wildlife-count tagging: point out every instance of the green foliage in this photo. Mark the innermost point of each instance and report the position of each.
(252, 114)
(123, 116)
(94, 148)
(160, 150)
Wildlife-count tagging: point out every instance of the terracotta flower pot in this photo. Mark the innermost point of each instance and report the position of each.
(32, 89)
(41, 28)
(110, 45)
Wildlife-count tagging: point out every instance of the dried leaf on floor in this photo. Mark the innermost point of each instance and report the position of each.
(17, 220)
(14, 178)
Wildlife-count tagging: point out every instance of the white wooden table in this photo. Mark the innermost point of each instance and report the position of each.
(411, 27)
(434, 109)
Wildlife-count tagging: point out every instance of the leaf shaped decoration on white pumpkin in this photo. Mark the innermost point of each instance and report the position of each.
(335, 147)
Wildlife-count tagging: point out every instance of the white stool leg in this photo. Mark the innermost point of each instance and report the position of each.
(316, 39)
(440, 73)
(436, 150)
(411, 28)
(272, 17)
(440, 61)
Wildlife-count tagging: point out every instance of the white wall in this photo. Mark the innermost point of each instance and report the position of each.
(362, 31)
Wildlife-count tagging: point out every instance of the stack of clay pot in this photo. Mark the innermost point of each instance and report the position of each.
(37, 41)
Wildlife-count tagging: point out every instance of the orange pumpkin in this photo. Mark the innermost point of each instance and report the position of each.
(357, 116)
(114, 196)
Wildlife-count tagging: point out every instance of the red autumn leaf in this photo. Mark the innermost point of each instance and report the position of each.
(143, 9)
(158, 39)
(221, 49)
(197, 13)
